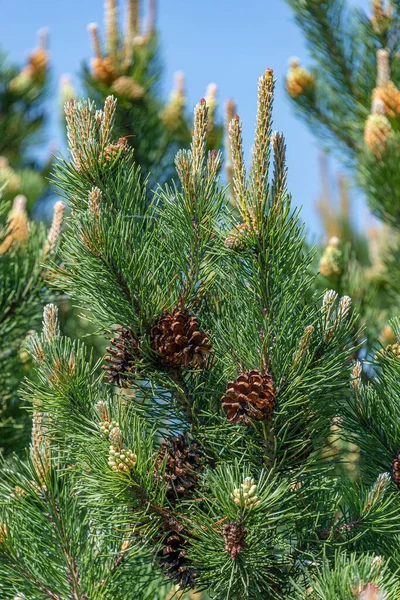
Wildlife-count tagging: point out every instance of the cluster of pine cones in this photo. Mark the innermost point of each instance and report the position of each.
(179, 463)
(176, 338)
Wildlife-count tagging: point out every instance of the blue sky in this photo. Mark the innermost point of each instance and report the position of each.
(229, 43)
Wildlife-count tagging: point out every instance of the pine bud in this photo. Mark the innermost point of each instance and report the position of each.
(127, 87)
(107, 424)
(199, 139)
(107, 122)
(304, 344)
(389, 95)
(262, 145)
(103, 70)
(378, 490)
(356, 377)
(116, 438)
(330, 264)
(55, 229)
(344, 309)
(40, 444)
(132, 25)
(111, 19)
(328, 303)
(378, 130)
(246, 495)
(18, 225)
(380, 18)
(93, 29)
(38, 60)
(239, 186)
(299, 81)
(103, 410)
(211, 100)
(51, 326)
(172, 114)
(383, 68)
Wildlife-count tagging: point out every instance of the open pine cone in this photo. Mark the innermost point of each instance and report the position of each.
(183, 466)
(172, 555)
(396, 470)
(251, 396)
(178, 339)
(123, 353)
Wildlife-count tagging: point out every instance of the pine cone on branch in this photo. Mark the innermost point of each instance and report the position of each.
(183, 466)
(172, 555)
(251, 396)
(122, 358)
(177, 338)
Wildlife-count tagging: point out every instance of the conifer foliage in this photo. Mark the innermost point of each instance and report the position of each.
(25, 251)
(198, 462)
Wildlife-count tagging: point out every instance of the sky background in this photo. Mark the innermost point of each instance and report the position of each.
(230, 43)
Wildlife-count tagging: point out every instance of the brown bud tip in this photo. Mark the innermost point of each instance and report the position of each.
(71, 102)
(269, 73)
(236, 117)
(213, 153)
(202, 101)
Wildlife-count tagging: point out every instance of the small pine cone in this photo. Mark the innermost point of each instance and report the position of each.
(115, 149)
(103, 70)
(389, 95)
(396, 470)
(177, 338)
(298, 80)
(183, 466)
(252, 395)
(172, 555)
(377, 132)
(123, 354)
(127, 87)
(238, 237)
(235, 538)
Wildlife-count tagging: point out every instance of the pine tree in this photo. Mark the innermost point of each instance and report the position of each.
(128, 66)
(201, 458)
(349, 98)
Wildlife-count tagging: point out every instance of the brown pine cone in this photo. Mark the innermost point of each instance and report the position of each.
(178, 339)
(396, 470)
(235, 538)
(172, 555)
(251, 396)
(123, 354)
(183, 466)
